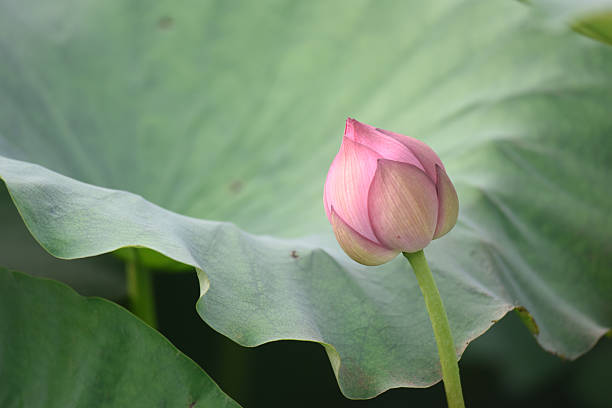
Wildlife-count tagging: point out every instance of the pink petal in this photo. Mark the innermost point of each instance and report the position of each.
(358, 247)
(448, 202)
(427, 157)
(403, 206)
(347, 185)
(388, 147)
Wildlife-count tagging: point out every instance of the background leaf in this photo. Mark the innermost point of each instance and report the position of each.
(233, 112)
(592, 18)
(58, 349)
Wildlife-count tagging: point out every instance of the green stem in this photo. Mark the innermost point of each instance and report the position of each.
(140, 289)
(441, 329)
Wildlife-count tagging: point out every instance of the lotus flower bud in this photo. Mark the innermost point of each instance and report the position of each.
(387, 193)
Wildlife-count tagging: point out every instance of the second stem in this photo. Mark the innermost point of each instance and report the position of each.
(140, 289)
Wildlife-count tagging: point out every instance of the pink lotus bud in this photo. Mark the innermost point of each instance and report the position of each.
(387, 193)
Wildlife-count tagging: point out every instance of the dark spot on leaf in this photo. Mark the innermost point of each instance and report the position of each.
(236, 186)
(165, 22)
(294, 254)
(192, 404)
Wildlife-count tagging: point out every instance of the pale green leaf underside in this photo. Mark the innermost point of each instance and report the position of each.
(233, 112)
(59, 349)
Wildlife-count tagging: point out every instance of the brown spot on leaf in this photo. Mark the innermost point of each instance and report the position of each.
(236, 186)
(192, 404)
(294, 254)
(165, 22)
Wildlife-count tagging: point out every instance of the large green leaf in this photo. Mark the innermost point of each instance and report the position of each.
(232, 112)
(59, 349)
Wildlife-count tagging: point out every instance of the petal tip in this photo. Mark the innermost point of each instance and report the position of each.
(349, 128)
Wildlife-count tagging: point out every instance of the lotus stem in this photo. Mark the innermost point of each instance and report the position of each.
(441, 329)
